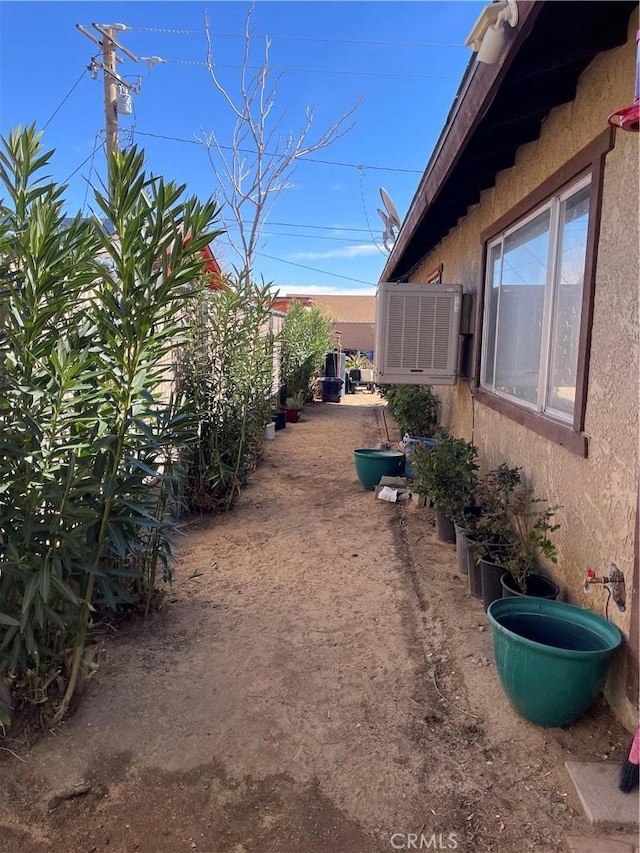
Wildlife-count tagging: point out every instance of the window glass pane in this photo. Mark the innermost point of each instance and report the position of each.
(495, 258)
(521, 308)
(567, 308)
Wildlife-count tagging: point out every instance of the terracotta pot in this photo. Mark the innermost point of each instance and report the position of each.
(292, 415)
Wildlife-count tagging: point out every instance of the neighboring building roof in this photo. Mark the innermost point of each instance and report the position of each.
(282, 303)
(350, 309)
(358, 336)
(500, 107)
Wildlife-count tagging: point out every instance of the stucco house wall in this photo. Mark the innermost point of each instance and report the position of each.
(598, 494)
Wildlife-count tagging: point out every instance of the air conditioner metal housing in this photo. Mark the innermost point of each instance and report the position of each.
(417, 333)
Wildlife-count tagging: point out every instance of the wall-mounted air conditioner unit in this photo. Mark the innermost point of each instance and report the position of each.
(417, 333)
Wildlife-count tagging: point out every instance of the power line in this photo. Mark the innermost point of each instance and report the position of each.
(357, 240)
(319, 227)
(298, 38)
(349, 72)
(60, 105)
(315, 269)
(358, 166)
(86, 160)
(93, 154)
(312, 237)
(366, 215)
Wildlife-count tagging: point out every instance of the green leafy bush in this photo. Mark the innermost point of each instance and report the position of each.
(513, 527)
(225, 374)
(306, 340)
(414, 408)
(446, 473)
(87, 428)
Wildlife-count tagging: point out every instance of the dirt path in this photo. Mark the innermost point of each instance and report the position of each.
(320, 682)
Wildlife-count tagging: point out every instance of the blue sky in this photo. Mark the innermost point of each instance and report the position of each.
(405, 59)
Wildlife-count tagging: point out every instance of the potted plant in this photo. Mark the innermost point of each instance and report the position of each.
(533, 526)
(293, 406)
(415, 410)
(447, 474)
(515, 536)
(488, 530)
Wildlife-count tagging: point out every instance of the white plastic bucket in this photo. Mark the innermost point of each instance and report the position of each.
(270, 430)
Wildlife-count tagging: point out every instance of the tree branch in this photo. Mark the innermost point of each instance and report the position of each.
(262, 158)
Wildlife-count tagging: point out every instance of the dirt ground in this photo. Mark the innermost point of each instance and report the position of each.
(319, 680)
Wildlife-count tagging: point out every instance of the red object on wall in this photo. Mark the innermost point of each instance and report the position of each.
(628, 118)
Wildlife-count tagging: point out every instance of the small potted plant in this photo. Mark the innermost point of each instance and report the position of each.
(415, 410)
(533, 526)
(446, 473)
(512, 538)
(488, 530)
(293, 406)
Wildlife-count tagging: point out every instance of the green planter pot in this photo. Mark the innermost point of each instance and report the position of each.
(371, 464)
(552, 658)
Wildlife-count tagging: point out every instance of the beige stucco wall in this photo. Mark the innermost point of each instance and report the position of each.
(597, 494)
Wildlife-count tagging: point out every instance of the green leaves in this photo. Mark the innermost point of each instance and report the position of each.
(447, 474)
(306, 339)
(414, 407)
(226, 373)
(88, 426)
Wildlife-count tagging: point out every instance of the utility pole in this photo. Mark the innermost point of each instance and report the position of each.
(116, 90)
(110, 91)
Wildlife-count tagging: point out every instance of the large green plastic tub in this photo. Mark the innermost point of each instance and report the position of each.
(371, 464)
(552, 658)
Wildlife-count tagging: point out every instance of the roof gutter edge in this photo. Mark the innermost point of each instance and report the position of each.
(476, 92)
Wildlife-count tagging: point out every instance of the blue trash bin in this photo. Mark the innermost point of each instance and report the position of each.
(410, 444)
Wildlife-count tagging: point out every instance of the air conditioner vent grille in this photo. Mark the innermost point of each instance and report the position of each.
(417, 333)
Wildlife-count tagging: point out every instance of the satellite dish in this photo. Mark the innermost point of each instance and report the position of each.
(390, 218)
(390, 206)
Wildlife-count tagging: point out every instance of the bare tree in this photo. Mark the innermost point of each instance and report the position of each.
(256, 164)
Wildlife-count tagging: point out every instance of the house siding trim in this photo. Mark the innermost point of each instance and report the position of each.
(591, 160)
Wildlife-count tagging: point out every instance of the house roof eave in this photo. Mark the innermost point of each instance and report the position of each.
(500, 107)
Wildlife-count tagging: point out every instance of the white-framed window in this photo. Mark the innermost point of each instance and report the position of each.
(533, 300)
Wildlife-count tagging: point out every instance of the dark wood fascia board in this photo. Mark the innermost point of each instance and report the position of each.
(476, 101)
(558, 433)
